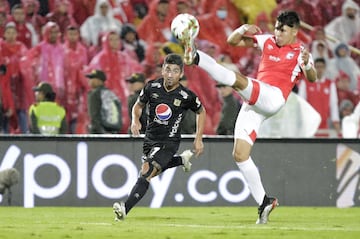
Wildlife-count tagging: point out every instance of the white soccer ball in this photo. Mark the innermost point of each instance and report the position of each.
(183, 22)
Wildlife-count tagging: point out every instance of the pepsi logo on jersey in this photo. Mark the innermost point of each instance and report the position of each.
(163, 112)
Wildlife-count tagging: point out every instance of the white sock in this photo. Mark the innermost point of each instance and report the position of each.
(216, 71)
(252, 177)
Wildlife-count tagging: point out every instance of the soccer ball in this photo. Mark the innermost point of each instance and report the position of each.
(183, 23)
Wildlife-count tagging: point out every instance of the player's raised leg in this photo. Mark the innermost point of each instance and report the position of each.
(217, 71)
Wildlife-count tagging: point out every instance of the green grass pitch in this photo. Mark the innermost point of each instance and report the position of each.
(178, 222)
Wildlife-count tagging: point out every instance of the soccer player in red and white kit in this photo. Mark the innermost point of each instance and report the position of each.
(283, 62)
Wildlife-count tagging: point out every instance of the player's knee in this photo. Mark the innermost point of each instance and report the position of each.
(241, 81)
(150, 169)
(240, 156)
(241, 151)
(146, 170)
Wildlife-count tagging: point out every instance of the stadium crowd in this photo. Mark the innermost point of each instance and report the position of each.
(60, 41)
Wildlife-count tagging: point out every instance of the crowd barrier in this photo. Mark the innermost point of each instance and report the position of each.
(96, 170)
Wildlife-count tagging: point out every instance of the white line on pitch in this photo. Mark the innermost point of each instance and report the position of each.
(96, 223)
(266, 227)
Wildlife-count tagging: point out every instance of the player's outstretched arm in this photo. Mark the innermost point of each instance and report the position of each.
(200, 125)
(242, 35)
(135, 118)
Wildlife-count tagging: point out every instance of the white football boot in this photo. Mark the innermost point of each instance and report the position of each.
(265, 209)
(188, 41)
(186, 156)
(120, 211)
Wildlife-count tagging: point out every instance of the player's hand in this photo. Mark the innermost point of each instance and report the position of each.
(238, 36)
(253, 29)
(198, 147)
(305, 56)
(135, 128)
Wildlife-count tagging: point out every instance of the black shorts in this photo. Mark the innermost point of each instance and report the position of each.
(160, 152)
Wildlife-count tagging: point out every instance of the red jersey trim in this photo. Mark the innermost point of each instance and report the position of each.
(253, 136)
(255, 93)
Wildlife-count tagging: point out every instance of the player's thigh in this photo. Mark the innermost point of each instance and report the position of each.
(248, 123)
(161, 154)
(270, 99)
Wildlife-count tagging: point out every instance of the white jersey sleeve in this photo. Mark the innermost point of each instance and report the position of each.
(261, 40)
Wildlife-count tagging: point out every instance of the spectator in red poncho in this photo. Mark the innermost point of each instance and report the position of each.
(118, 66)
(26, 31)
(201, 83)
(76, 84)
(5, 6)
(123, 11)
(209, 48)
(83, 10)
(155, 27)
(195, 8)
(206, 6)
(307, 10)
(50, 5)
(218, 24)
(183, 6)
(153, 58)
(93, 50)
(45, 62)
(62, 15)
(12, 51)
(7, 107)
(343, 89)
(328, 9)
(3, 21)
(31, 8)
(264, 23)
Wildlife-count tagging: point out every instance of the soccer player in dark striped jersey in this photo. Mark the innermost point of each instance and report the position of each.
(167, 102)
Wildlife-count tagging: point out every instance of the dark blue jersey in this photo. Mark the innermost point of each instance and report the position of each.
(167, 109)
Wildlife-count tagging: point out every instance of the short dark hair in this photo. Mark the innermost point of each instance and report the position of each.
(17, 6)
(321, 60)
(72, 28)
(175, 59)
(50, 96)
(289, 18)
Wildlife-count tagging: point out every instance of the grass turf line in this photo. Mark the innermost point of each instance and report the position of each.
(179, 222)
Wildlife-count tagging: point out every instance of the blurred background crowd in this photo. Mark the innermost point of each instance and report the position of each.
(60, 41)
